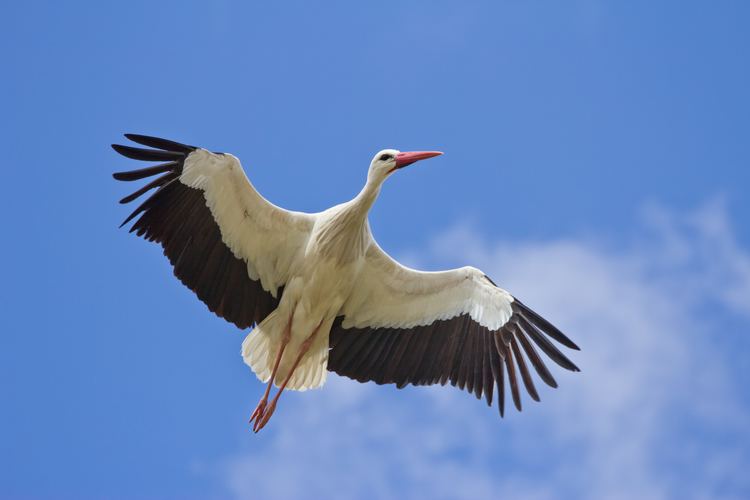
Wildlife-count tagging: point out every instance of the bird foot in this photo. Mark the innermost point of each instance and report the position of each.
(258, 412)
(261, 421)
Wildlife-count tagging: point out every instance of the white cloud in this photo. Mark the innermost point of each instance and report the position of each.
(639, 421)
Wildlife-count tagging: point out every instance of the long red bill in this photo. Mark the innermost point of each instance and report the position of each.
(408, 157)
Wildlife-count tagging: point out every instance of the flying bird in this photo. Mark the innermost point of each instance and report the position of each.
(321, 295)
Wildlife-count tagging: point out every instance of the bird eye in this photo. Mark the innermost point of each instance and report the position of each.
(385, 157)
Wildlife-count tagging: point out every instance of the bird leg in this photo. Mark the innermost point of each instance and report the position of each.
(261, 408)
(268, 411)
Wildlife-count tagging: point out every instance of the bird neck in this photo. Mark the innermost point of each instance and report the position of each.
(364, 200)
(344, 235)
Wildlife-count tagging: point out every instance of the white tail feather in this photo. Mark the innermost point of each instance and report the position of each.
(260, 347)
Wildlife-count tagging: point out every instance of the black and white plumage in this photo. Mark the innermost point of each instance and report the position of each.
(319, 291)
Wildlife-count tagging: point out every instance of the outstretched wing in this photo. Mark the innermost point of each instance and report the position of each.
(402, 326)
(227, 243)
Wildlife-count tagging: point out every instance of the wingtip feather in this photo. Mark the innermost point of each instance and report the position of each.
(159, 143)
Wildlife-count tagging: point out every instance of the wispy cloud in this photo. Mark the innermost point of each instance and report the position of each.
(652, 415)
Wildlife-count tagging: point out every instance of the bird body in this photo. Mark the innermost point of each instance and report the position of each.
(316, 290)
(320, 283)
(321, 293)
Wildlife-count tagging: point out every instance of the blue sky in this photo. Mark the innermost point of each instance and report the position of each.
(596, 165)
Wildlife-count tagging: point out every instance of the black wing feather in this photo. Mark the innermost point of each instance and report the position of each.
(158, 143)
(457, 350)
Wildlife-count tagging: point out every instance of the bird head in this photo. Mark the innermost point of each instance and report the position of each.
(388, 161)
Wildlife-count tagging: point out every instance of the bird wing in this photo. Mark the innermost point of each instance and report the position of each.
(227, 243)
(402, 326)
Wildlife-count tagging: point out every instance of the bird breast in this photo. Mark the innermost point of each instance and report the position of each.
(340, 237)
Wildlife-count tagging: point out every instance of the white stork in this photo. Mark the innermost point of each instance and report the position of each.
(321, 293)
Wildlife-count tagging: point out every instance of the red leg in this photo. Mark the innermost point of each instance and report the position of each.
(268, 412)
(261, 408)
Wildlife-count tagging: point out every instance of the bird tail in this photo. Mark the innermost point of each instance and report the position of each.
(312, 370)
(262, 344)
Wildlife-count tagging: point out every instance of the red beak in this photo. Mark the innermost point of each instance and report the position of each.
(409, 157)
